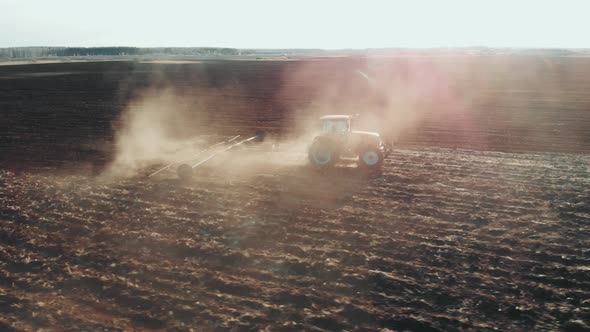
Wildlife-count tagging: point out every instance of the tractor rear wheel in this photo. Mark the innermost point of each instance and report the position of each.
(371, 159)
(323, 153)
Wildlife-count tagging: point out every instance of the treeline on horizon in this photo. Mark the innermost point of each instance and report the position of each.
(40, 52)
(15, 53)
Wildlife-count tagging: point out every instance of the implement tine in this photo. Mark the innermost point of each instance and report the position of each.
(204, 150)
(221, 151)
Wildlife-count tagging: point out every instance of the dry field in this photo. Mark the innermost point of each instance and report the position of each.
(479, 221)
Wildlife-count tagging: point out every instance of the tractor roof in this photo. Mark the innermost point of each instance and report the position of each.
(336, 117)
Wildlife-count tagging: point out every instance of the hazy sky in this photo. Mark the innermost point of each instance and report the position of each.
(295, 23)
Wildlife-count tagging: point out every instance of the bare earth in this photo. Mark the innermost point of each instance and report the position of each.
(461, 231)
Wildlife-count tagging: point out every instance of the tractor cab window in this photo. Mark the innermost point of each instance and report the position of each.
(335, 126)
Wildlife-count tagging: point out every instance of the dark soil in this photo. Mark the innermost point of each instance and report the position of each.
(454, 234)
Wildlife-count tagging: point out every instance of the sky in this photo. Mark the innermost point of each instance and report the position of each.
(324, 24)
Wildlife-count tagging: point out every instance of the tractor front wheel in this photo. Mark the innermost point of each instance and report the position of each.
(371, 159)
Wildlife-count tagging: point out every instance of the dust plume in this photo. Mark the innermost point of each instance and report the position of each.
(173, 120)
(158, 125)
(391, 95)
(428, 99)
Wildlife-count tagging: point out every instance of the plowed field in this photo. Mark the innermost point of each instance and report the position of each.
(460, 231)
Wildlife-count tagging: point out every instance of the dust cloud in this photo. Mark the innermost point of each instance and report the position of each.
(393, 96)
(436, 100)
(159, 125)
(417, 99)
(167, 124)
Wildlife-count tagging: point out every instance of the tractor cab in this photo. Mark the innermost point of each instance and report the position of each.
(335, 124)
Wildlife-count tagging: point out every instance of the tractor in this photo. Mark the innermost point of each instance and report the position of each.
(337, 140)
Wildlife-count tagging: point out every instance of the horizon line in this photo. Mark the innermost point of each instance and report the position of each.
(312, 48)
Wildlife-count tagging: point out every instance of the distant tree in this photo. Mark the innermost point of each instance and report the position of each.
(40, 52)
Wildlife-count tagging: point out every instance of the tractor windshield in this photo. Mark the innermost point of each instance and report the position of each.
(335, 126)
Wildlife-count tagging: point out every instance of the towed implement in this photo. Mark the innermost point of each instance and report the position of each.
(185, 171)
(185, 168)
